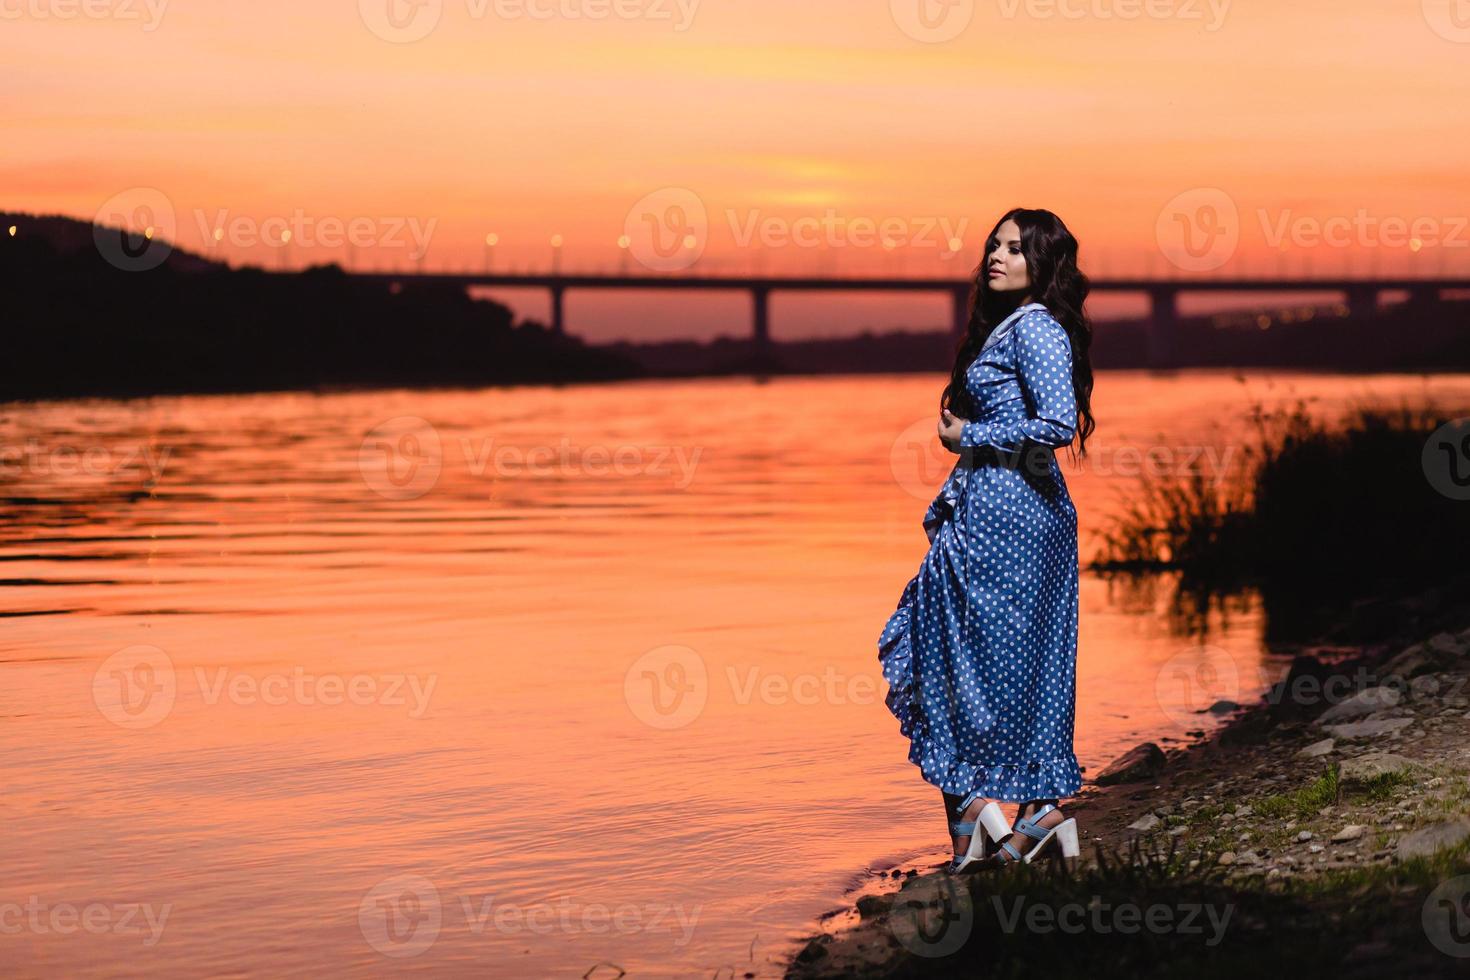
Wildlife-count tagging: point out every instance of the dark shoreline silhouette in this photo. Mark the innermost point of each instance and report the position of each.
(78, 325)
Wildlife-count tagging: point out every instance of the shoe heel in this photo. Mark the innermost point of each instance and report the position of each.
(994, 822)
(1067, 836)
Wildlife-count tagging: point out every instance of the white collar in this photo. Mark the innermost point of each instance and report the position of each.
(1005, 324)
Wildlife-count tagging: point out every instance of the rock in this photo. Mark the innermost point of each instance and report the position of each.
(1316, 848)
(1247, 857)
(1370, 728)
(1300, 690)
(1305, 835)
(1222, 707)
(1447, 644)
(1370, 766)
(814, 950)
(1426, 840)
(870, 905)
(1351, 832)
(1423, 687)
(1423, 658)
(1317, 749)
(1144, 823)
(1227, 857)
(1140, 763)
(1244, 810)
(1360, 705)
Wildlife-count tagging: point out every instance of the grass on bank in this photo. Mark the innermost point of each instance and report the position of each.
(1312, 513)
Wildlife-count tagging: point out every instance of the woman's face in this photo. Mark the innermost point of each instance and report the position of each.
(1005, 266)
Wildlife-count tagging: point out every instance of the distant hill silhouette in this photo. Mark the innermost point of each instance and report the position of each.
(76, 324)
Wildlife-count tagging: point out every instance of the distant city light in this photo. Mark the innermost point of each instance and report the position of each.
(219, 234)
(690, 241)
(556, 241)
(286, 237)
(492, 239)
(1415, 244)
(148, 233)
(624, 241)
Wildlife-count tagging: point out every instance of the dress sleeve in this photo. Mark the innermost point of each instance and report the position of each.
(1044, 367)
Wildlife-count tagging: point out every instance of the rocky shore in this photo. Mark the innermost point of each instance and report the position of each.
(1324, 831)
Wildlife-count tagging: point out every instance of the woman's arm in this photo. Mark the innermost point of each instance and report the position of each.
(1044, 367)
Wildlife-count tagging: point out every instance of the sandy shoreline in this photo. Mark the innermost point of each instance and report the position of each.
(1348, 781)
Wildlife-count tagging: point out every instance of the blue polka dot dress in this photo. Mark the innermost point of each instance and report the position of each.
(980, 655)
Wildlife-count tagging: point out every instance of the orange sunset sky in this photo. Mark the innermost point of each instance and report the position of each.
(597, 120)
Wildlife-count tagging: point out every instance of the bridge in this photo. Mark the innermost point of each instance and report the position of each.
(1360, 295)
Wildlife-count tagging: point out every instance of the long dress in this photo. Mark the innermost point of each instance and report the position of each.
(980, 655)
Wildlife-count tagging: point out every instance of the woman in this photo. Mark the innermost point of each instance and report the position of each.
(980, 655)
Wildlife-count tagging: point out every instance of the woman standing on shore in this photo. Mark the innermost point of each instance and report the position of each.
(980, 655)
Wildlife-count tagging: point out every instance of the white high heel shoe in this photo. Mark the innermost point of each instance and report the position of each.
(990, 819)
(1064, 832)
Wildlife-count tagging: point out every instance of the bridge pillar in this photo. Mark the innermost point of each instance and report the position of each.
(1362, 300)
(1423, 295)
(761, 309)
(960, 304)
(1163, 325)
(558, 318)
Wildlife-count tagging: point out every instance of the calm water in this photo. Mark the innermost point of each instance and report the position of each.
(511, 682)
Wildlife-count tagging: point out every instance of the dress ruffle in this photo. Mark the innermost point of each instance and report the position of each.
(1010, 782)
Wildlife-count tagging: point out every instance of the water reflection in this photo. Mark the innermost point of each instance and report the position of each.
(352, 681)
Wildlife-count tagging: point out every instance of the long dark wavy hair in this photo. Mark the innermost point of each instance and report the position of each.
(1057, 283)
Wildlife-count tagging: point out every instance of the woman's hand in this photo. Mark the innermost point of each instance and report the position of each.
(950, 427)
